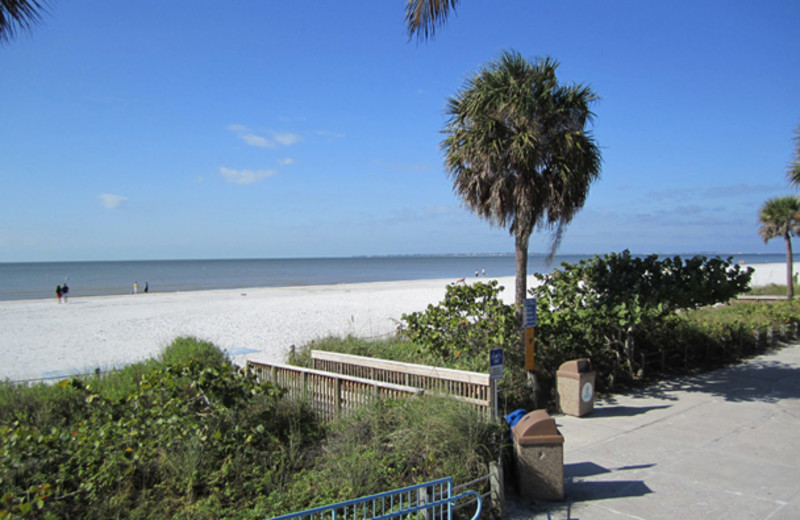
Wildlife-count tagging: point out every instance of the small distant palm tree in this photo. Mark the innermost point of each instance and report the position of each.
(794, 167)
(780, 217)
(518, 151)
(19, 14)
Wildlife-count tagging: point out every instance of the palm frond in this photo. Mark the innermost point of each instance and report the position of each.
(16, 15)
(794, 167)
(424, 16)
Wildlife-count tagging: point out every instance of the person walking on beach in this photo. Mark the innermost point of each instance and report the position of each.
(146, 287)
(58, 293)
(65, 292)
(135, 287)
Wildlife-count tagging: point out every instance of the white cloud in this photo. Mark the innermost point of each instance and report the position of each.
(110, 201)
(251, 138)
(286, 162)
(287, 139)
(237, 128)
(245, 176)
(257, 140)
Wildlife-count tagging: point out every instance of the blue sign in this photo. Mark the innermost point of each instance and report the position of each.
(529, 318)
(496, 363)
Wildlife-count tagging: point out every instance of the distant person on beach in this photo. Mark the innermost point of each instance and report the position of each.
(135, 287)
(483, 272)
(58, 293)
(476, 273)
(65, 292)
(146, 287)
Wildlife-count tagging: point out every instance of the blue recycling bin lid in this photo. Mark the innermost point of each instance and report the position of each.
(513, 418)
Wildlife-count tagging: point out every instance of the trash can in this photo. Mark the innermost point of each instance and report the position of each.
(539, 453)
(575, 381)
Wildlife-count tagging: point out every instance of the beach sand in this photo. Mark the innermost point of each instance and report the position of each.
(42, 339)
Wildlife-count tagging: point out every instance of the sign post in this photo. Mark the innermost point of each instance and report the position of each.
(496, 367)
(529, 321)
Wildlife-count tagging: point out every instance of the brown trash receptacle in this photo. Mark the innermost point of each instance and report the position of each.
(539, 453)
(575, 381)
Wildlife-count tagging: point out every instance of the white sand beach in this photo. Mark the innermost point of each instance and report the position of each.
(42, 339)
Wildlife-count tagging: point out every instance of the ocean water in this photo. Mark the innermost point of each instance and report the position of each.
(38, 280)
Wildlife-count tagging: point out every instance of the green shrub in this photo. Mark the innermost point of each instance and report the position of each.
(466, 325)
(185, 350)
(195, 437)
(599, 308)
(193, 430)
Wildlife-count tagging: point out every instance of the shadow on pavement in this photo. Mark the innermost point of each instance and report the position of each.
(764, 381)
(603, 412)
(578, 489)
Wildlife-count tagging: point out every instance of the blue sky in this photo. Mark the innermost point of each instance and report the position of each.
(260, 129)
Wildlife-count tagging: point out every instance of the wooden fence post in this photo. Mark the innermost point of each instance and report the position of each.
(338, 397)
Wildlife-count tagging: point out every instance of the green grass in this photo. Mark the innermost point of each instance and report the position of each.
(772, 290)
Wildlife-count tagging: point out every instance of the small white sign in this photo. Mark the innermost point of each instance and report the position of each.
(586, 392)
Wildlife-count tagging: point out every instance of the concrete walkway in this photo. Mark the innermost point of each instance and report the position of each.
(725, 445)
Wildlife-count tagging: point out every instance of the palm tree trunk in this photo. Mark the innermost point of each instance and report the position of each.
(521, 244)
(789, 268)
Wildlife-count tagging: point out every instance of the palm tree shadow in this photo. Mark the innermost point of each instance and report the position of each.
(757, 380)
(603, 412)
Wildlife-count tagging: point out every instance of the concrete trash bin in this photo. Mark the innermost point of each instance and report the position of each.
(575, 381)
(539, 454)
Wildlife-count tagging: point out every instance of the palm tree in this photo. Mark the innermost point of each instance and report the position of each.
(518, 151)
(780, 217)
(794, 168)
(423, 16)
(18, 14)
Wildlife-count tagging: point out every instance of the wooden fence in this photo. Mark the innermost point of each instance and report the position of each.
(330, 394)
(471, 387)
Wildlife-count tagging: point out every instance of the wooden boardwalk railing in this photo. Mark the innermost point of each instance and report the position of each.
(330, 394)
(472, 387)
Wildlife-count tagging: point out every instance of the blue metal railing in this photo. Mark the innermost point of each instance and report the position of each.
(432, 500)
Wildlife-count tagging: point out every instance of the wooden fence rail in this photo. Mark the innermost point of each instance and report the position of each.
(471, 387)
(330, 394)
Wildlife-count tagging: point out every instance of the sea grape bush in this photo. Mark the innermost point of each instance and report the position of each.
(470, 321)
(597, 307)
(614, 309)
(464, 327)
